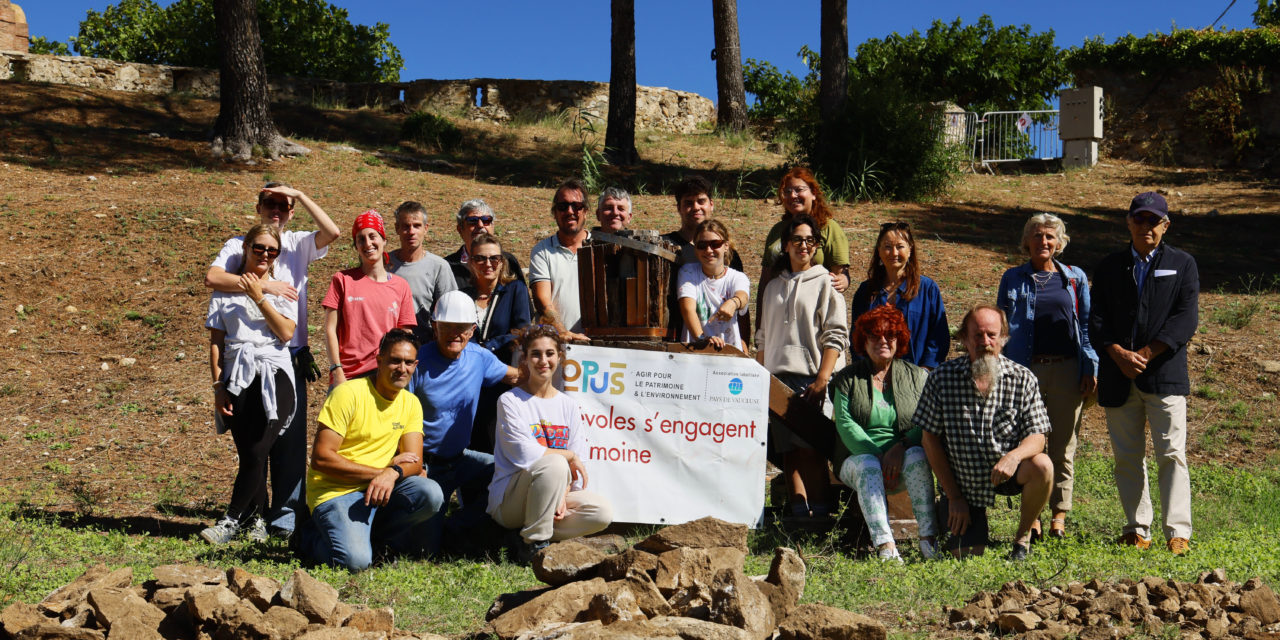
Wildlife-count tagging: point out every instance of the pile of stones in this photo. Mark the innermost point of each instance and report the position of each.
(685, 581)
(197, 603)
(1211, 607)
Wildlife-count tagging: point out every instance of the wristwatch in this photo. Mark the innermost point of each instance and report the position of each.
(399, 471)
(334, 366)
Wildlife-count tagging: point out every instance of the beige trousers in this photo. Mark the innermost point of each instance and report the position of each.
(1127, 425)
(530, 502)
(1060, 390)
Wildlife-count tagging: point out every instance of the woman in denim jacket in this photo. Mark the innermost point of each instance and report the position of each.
(1047, 303)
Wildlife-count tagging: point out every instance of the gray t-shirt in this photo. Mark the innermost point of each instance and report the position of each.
(429, 278)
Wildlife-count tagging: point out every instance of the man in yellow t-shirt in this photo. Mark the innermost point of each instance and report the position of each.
(364, 487)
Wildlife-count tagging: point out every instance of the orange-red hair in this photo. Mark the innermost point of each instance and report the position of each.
(821, 214)
(884, 320)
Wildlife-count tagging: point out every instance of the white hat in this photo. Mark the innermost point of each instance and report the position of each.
(455, 306)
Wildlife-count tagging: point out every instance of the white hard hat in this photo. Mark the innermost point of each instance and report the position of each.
(455, 306)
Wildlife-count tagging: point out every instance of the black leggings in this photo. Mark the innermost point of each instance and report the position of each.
(254, 435)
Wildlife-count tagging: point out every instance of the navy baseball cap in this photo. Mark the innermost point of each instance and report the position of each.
(1150, 202)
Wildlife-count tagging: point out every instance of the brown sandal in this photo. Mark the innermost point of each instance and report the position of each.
(1058, 528)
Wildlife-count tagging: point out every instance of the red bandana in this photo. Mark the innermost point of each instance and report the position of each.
(369, 220)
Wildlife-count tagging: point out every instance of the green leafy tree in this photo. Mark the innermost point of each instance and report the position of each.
(45, 46)
(307, 38)
(979, 66)
(1268, 14)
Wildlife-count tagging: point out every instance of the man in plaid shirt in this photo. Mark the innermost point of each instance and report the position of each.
(984, 426)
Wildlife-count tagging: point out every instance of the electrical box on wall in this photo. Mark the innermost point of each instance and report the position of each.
(1080, 113)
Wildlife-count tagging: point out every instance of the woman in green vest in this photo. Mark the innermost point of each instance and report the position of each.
(879, 448)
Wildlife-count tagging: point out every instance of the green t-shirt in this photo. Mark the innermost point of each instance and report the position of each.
(832, 251)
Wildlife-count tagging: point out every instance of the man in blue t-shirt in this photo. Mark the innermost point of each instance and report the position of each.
(450, 373)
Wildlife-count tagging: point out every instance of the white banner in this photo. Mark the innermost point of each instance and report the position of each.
(672, 437)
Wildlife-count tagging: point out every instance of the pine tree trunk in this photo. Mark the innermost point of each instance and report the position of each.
(620, 131)
(833, 81)
(731, 97)
(244, 113)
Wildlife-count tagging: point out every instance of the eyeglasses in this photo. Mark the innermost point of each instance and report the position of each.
(703, 245)
(273, 203)
(894, 226)
(264, 250)
(474, 220)
(562, 206)
(804, 241)
(795, 191)
(493, 260)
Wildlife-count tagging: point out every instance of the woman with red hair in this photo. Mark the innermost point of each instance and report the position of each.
(799, 192)
(879, 447)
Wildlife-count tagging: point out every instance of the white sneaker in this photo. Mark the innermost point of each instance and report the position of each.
(257, 530)
(889, 554)
(223, 532)
(929, 550)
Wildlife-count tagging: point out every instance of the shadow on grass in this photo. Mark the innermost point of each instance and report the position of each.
(131, 525)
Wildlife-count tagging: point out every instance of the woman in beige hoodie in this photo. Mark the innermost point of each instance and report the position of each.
(801, 338)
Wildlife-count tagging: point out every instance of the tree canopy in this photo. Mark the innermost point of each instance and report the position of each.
(1267, 14)
(308, 38)
(979, 66)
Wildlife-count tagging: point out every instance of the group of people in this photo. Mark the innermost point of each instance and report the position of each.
(440, 381)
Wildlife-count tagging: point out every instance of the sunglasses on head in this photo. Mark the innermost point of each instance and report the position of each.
(807, 241)
(494, 260)
(563, 206)
(894, 226)
(703, 245)
(264, 250)
(484, 220)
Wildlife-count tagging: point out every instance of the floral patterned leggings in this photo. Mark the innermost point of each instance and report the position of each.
(863, 474)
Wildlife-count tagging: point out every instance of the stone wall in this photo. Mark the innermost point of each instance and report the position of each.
(490, 99)
(13, 27)
(1161, 119)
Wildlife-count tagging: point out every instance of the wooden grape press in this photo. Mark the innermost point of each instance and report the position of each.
(624, 280)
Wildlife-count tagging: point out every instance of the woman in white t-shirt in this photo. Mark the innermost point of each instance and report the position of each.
(539, 480)
(711, 294)
(252, 379)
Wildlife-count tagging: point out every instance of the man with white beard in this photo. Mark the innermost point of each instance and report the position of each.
(984, 434)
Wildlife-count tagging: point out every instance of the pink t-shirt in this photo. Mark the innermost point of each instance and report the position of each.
(369, 310)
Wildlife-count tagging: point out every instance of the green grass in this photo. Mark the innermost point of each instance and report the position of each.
(1235, 512)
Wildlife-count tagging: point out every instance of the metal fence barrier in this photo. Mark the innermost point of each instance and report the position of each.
(1010, 136)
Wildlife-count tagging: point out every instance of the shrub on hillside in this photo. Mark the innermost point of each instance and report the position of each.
(427, 129)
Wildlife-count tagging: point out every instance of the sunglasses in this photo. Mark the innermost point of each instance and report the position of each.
(804, 241)
(894, 226)
(264, 250)
(1146, 219)
(563, 206)
(474, 220)
(273, 203)
(493, 260)
(703, 245)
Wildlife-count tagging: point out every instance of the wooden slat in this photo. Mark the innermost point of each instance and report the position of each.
(654, 333)
(643, 316)
(587, 286)
(602, 288)
(630, 303)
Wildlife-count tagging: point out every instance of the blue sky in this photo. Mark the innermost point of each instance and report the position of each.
(569, 39)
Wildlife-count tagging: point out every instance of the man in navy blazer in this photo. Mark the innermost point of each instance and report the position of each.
(1145, 311)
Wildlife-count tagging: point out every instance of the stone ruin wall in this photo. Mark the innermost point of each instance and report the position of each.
(486, 99)
(1149, 118)
(13, 28)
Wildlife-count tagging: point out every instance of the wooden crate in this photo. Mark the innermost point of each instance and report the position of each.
(622, 285)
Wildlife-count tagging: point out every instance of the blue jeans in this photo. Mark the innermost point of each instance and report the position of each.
(469, 474)
(288, 461)
(342, 531)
